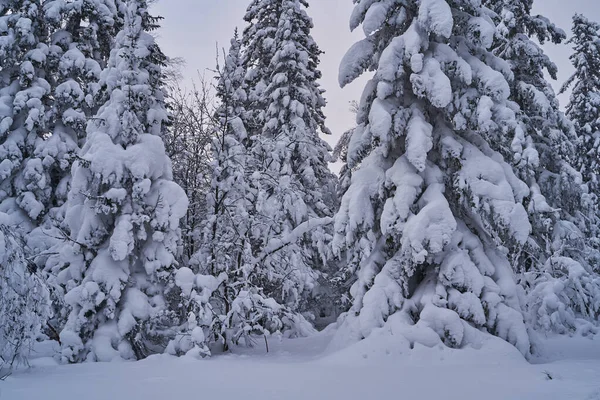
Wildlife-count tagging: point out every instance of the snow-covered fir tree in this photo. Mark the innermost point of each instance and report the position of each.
(584, 104)
(80, 35)
(555, 262)
(426, 221)
(290, 180)
(123, 211)
(24, 299)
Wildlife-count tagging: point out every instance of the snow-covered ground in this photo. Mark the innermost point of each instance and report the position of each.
(307, 369)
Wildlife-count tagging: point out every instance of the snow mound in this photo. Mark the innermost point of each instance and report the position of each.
(396, 342)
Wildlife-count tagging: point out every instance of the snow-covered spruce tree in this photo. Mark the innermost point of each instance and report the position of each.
(80, 38)
(290, 180)
(123, 211)
(555, 262)
(584, 105)
(24, 302)
(432, 208)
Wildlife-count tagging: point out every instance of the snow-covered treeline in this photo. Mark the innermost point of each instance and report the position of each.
(136, 219)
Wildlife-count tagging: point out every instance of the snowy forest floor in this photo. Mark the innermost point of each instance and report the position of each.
(306, 368)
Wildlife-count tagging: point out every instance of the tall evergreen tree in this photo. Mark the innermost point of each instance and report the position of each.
(81, 34)
(292, 183)
(123, 210)
(584, 105)
(431, 207)
(555, 261)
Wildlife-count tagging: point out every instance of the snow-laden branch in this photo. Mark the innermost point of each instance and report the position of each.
(277, 244)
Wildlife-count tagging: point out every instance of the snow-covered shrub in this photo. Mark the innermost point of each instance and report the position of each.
(233, 320)
(24, 299)
(564, 297)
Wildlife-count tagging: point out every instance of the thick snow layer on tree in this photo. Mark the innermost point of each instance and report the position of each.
(434, 210)
(379, 367)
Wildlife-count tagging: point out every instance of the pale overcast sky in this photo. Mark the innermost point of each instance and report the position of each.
(192, 28)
